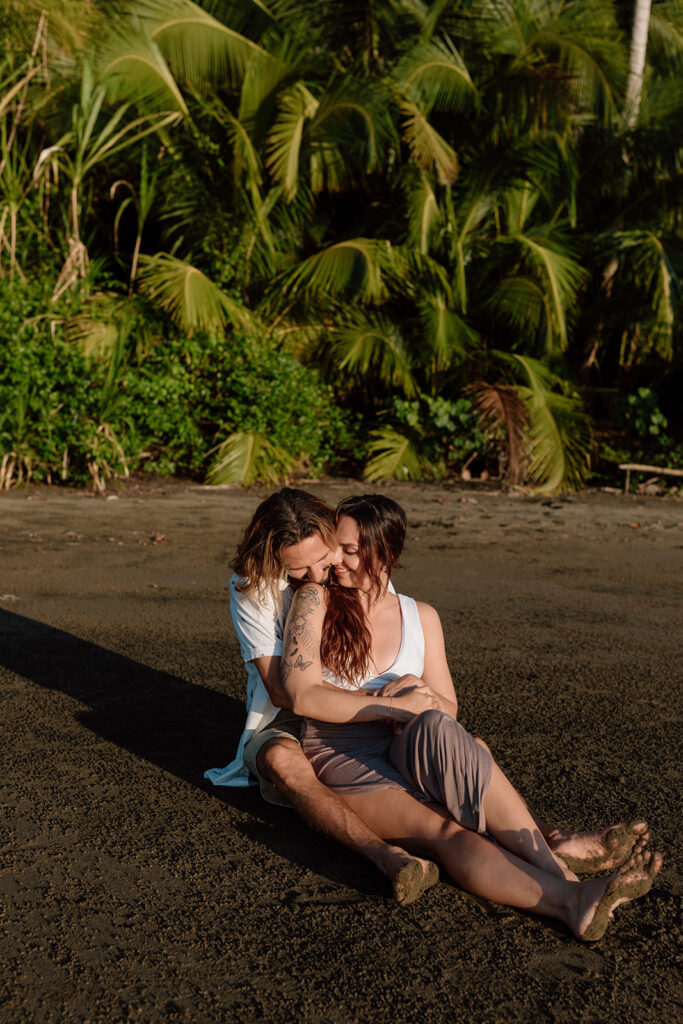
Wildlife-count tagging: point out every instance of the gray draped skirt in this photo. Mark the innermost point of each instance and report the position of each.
(433, 759)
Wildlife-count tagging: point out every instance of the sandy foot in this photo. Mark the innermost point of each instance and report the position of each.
(587, 852)
(414, 878)
(630, 881)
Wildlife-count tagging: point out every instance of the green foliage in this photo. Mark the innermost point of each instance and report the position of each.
(405, 196)
(559, 437)
(644, 416)
(245, 458)
(432, 436)
(72, 412)
(449, 430)
(392, 457)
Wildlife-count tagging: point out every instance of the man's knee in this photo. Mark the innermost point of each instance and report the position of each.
(280, 759)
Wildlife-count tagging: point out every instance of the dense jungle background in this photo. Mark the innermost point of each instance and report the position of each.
(241, 240)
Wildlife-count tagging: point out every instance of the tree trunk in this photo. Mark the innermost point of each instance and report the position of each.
(634, 88)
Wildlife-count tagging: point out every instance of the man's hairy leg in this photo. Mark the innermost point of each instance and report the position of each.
(285, 765)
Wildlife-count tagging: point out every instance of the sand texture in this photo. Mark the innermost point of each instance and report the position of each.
(134, 891)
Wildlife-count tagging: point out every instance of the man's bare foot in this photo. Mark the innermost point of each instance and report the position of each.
(412, 879)
(588, 852)
(599, 897)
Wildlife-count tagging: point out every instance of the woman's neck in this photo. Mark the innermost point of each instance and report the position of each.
(370, 599)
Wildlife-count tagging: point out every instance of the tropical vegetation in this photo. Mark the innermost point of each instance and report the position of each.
(245, 238)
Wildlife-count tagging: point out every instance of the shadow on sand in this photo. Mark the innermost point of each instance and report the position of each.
(179, 726)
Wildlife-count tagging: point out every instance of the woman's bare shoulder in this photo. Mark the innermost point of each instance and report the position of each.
(429, 617)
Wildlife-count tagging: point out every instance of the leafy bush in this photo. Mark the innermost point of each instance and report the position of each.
(643, 416)
(70, 417)
(449, 431)
(192, 393)
(426, 437)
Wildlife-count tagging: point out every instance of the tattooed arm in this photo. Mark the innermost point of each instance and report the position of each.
(301, 673)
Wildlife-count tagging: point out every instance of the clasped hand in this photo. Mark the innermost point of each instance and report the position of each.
(412, 697)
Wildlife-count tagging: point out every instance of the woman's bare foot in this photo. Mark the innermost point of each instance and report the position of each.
(413, 878)
(588, 852)
(599, 897)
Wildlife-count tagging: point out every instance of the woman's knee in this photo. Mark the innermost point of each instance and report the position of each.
(435, 721)
(479, 740)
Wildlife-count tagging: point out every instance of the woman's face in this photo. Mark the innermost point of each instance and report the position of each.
(348, 567)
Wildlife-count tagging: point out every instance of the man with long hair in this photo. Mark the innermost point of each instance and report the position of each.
(290, 540)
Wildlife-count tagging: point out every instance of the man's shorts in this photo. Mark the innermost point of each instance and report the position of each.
(285, 725)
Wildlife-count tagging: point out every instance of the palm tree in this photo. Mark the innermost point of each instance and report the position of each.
(417, 196)
(636, 64)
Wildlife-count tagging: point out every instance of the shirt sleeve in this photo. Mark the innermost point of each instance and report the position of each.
(258, 625)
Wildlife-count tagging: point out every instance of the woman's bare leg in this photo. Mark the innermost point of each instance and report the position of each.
(480, 867)
(572, 851)
(511, 823)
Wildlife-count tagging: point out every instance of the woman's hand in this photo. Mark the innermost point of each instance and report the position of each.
(412, 701)
(395, 687)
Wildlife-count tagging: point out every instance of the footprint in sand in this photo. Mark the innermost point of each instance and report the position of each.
(567, 965)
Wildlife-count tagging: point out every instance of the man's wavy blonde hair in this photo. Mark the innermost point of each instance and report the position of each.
(282, 520)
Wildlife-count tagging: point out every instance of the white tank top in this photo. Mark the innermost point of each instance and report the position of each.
(410, 657)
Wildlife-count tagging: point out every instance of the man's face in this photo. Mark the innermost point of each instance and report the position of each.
(310, 560)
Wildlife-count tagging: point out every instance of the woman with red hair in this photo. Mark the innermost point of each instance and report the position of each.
(358, 634)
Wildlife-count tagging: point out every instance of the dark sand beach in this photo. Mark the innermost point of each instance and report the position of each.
(134, 891)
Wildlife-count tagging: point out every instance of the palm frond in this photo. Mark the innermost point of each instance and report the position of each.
(427, 147)
(193, 301)
(559, 437)
(424, 213)
(133, 67)
(284, 142)
(248, 458)
(448, 337)
(351, 267)
(246, 157)
(519, 202)
(262, 83)
(665, 35)
(578, 41)
(196, 45)
(502, 409)
(328, 170)
(348, 107)
(465, 218)
(562, 276)
(586, 39)
(559, 441)
(96, 338)
(372, 346)
(649, 270)
(522, 302)
(348, 132)
(392, 457)
(433, 74)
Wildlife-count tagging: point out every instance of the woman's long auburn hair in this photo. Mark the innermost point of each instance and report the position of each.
(282, 520)
(346, 639)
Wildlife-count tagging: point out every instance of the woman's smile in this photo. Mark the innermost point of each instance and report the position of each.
(348, 566)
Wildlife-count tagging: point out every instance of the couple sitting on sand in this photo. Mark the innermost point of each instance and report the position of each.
(366, 745)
